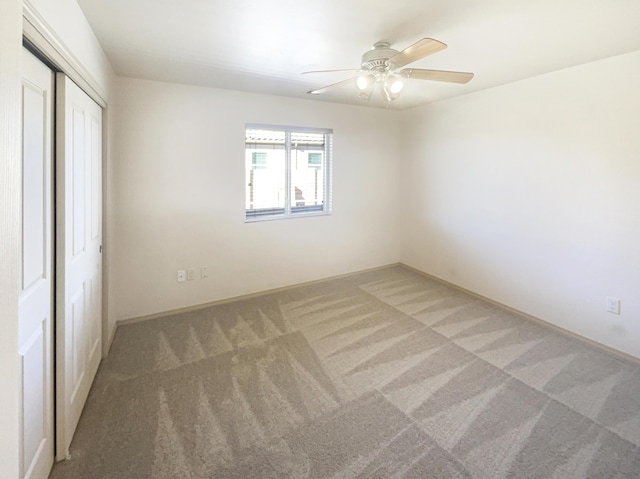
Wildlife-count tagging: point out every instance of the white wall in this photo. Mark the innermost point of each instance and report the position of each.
(529, 194)
(179, 189)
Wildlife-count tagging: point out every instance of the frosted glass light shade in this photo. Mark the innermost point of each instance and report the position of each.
(396, 86)
(363, 81)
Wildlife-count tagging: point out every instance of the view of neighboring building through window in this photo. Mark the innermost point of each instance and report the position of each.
(258, 160)
(288, 171)
(315, 160)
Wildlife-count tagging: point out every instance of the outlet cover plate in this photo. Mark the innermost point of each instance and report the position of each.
(613, 305)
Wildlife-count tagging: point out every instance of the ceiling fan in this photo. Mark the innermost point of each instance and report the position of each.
(381, 66)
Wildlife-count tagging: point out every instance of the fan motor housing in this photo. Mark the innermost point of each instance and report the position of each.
(376, 59)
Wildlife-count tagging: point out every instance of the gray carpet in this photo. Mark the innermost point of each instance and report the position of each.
(385, 374)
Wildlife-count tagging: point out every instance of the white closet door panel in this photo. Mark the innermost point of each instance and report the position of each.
(34, 175)
(78, 181)
(79, 262)
(94, 334)
(96, 179)
(36, 296)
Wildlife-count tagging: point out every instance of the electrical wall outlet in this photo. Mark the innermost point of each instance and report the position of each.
(613, 305)
(191, 274)
(203, 272)
(181, 276)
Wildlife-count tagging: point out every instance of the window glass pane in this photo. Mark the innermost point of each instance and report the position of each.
(307, 172)
(265, 172)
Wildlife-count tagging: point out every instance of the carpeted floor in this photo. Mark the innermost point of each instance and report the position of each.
(385, 374)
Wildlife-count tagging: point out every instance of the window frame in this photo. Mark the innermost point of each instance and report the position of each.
(290, 210)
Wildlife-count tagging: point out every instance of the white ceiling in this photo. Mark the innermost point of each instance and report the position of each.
(263, 45)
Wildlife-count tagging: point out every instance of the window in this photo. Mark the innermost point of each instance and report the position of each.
(288, 172)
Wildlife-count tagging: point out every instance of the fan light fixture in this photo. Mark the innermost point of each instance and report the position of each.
(365, 84)
(391, 85)
(394, 84)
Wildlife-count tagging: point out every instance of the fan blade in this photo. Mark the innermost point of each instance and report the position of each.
(331, 71)
(437, 75)
(420, 49)
(331, 87)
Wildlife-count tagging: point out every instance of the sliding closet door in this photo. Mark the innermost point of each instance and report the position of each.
(36, 292)
(79, 248)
